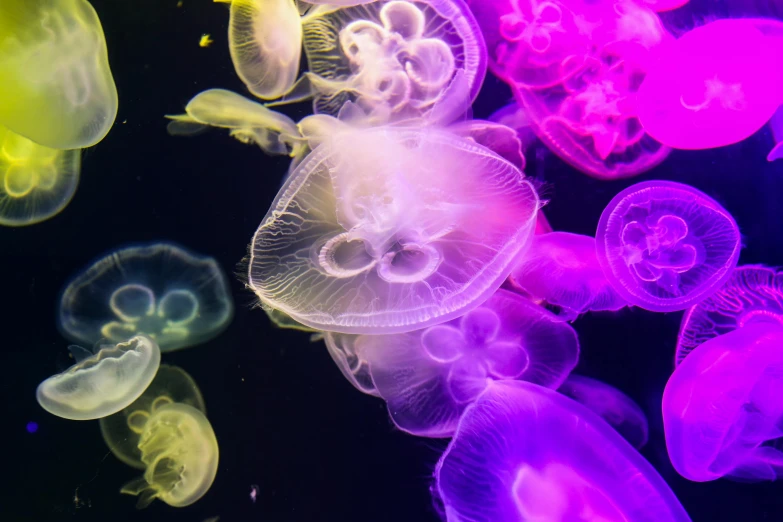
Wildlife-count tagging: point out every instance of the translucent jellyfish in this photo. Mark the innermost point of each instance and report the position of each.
(716, 85)
(57, 87)
(664, 5)
(722, 407)
(385, 230)
(612, 405)
(517, 118)
(664, 246)
(525, 452)
(347, 352)
(776, 126)
(562, 269)
(498, 138)
(265, 41)
(177, 298)
(122, 430)
(180, 452)
(103, 383)
(542, 224)
(285, 321)
(753, 294)
(394, 58)
(428, 377)
(37, 182)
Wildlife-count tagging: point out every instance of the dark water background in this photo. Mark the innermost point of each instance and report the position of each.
(285, 418)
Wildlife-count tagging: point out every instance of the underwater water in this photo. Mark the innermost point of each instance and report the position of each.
(297, 442)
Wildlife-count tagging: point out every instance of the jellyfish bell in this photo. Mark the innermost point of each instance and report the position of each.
(661, 6)
(57, 88)
(376, 231)
(103, 383)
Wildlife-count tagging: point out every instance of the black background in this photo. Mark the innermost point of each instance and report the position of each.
(285, 419)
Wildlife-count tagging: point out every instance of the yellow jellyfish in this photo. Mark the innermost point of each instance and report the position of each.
(57, 88)
(180, 452)
(36, 182)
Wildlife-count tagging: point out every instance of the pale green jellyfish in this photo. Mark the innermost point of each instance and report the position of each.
(57, 88)
(103, 383)
(177, 298)
(36, 182)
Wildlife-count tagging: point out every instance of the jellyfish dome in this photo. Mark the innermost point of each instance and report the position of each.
(722, 407)
(104, 383)
(562, 269)
(664, 245)
(428, 377)
(175, 297)
(612, 405)
(57, 87)
(395, 58)
(523, 452)
(716, 85)
(753, 294)
(385, 230)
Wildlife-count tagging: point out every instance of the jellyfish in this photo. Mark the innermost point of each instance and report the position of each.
(752, 294)
(265, 41)
(776, 126)
(103, 383)
(716, 85)
(525, 452)
(385, 230)
(722, 407)
(665, 246)
(428, 377)
(121, 431)
(612, 405)
(515, 117)
(347, 352)
(500, 139)
(282, 320)
(37, 182)
(180, 452)
(177, 298)
(562, 269)
(661, 6)
(394, 58)
(57, 87)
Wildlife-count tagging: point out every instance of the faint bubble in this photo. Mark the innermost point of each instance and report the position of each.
(32, 427)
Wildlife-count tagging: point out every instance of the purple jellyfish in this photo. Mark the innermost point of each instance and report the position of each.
(714, 86)
(776, 126)
(612, 405)
(723, 407)
(523, 452)
(562, 269)
(753, 294)
(428, 377)
(664, 246)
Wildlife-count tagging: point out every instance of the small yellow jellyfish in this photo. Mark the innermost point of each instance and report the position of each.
(57, 88)
(206, 40)
(36, 182)
(180, 452)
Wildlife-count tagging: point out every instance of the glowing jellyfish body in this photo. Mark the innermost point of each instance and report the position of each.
(661, 6)
(722, 407)
(716, 85)
(36, 182)
(665, 245)
(394, 58)
(103, 383)
(385, 230)
(753, 294)
(57, 87)
(776, 126)
(347, 352)
(177, 298)
(180, 451)
(612, 405)
(523, 452)
(562, 269)
(428, 377)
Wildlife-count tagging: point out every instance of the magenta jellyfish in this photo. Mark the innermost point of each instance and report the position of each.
(663, 5)
(385, 230)
(562, 269)
(753, 294)
(722, 407)
(716, 85)
(612, 405)
(523, 452)
(428, 377)
(664, 245)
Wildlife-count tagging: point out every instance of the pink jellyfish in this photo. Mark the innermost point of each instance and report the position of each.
(714, 86)
(523, 452)
(664, 246)
(722, 407)
(663, 5)
(753, 294)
